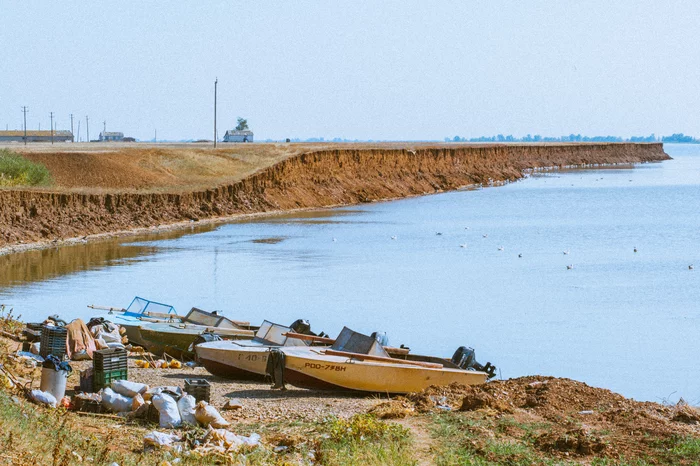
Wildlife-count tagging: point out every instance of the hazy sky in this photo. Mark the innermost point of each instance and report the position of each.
(368, 70)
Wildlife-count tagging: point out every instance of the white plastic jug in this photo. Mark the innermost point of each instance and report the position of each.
(54, 382)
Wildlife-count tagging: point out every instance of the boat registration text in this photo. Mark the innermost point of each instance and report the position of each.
(325, 367)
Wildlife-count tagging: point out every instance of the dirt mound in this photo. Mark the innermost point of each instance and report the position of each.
(564, 418)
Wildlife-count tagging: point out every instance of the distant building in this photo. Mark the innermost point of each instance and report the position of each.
(235, 135)
(111, 136)
(36, 136)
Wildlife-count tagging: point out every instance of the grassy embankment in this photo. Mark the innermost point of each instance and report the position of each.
(16, 171)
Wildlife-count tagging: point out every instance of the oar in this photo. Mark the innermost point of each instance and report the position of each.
(301, 336)
(330, 341)
(368, 357)
(106, 308)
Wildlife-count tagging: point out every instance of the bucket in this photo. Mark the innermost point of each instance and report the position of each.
(54, 382)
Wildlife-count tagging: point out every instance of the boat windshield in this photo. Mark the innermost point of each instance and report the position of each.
(354, 342)
(140, 305)
(200, 317)
(270, 333)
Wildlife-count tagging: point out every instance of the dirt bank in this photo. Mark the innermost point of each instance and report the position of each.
(317, 178)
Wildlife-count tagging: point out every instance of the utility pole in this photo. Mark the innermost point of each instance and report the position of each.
(87, 127)
(104, 131)
(25, 110)
(155, 136)
(216, 82)
(71, 127)
(51, 116)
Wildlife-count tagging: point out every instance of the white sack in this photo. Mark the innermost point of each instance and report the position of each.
(167, 407)
(115, 402)
(130, 389)
(186, 405)
(207, 415)
(43, 398)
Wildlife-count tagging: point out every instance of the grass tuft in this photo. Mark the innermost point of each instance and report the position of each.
(363, 439)
(15, 170)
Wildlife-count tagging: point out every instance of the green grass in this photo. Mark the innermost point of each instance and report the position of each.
(33, 435)
(15, 170)
(363, 439)
(681, 450)
(30, 434)
(464, 440)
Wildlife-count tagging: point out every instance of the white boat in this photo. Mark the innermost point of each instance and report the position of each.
(246, 359)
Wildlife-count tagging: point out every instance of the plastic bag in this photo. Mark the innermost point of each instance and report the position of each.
(167, 407)
(130, 389)
(207, 415)
(186, 405)
(45, 398)
(222, 438)
(160, 439)
(115, 402)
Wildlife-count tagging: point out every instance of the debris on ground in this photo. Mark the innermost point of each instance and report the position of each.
(207, 415)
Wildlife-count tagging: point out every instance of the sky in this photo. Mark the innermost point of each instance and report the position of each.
(381, 70)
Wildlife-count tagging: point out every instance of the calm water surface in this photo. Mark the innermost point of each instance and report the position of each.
(619, 319)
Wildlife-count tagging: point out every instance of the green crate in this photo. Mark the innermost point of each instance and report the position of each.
(101, 380)
(110, 359)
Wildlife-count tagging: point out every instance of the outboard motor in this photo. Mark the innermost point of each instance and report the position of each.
(466, 359)
(381, 338)
(301, 326)
(60, 322)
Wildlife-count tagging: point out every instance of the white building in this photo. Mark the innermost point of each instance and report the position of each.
(235, 135)
(111, 136)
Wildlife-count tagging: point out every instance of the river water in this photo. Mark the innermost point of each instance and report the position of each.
(618, 319)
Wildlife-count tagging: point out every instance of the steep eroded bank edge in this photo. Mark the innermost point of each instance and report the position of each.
(316, 179)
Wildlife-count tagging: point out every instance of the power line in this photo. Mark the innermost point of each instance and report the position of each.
(25, 110)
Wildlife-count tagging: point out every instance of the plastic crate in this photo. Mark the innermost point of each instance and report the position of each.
(31, 335)
(111, 359)
(53, 341)
(101, 380)
(89, 406)
(36, 326)
(198, 388)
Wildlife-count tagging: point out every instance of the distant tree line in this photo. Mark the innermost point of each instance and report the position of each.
(674, 138)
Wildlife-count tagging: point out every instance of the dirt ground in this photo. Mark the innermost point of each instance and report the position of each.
(527, 420)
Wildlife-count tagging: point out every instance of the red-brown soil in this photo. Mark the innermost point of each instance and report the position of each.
(98, 192)
(572, 419)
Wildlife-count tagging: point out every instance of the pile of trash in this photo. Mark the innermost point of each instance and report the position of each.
(169, 406)
(81, 340)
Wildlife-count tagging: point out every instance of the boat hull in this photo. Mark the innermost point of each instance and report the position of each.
(233, 361)
(311, 369)
(173, 340)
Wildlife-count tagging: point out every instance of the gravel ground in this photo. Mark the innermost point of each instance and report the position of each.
(260, 402)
